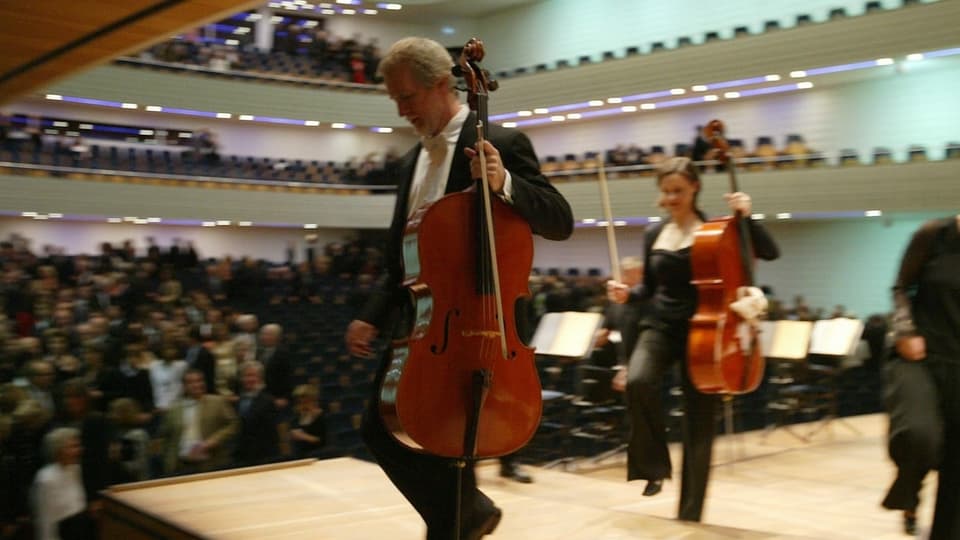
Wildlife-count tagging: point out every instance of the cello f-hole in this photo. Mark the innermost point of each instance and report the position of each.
(446, 332)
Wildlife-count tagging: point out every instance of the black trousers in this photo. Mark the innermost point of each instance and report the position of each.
(660, 347)
(915, 436)
(946, 518)
(428, 482)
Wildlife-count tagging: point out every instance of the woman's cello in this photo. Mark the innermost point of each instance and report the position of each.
(462, 384)
(723, 349)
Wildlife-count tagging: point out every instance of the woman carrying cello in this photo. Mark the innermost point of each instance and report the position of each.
(417, 73)
(664, 334)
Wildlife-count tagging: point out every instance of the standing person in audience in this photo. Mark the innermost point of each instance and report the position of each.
(198, 429)
(662, 343)
(926, 328)
(278, 372)
(257, 441)
(59, 504)
(418, 78)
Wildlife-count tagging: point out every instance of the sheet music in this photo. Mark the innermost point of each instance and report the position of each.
(789, 340)
(568, 334)
(835, 337)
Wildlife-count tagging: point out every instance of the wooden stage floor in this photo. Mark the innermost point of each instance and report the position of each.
(776, 487)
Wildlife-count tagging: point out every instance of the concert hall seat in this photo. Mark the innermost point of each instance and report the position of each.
(657, 46)
(849, 157)
(563, 64)
(740, 31)
(952, 150)
(609, 55)
(917, 153)
(882, 156)
(767, 153)
(837, 13)
(711, 36)
(684, 41)
(804, 19)
(873, 6)
(633, 51)
(770, 26)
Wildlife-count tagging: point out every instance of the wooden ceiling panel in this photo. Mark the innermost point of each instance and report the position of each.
(43, 44)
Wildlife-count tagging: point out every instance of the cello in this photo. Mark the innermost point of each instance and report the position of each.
(723, 349)
(462, 384)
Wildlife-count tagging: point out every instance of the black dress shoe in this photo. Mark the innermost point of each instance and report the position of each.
(485, 526)
(653, 487)
(515, 474)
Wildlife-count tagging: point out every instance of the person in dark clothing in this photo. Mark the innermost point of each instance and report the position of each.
(258, 439)
(926, 328)
(662, 342)
(418, 78)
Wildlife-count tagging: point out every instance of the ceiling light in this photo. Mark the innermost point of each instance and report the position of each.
(699, 88)
(391, 6)
(573, 116)
(349, 12)
(868, 213)
(784, 215)
(619, 223)
(884, 61)
(231, 42)
(146, 132)
(558, 118)
(224, 115)
(798, 74)
(28, 214)
(154, 108)
(654, 219)
(245, 223)
(772, 78)
(209, 224)
(245, 117)
(509, 124)
(914, 57)
(628, 108)
(374, 12)
(382, 130)
(711, 97)
(223, 222)
(589, 221)
(595, 103)
(40, 217)
(648, 106)
(678, 91)
(340, 125)
(524, 113)
(804, 85)
(154, 220)
(86, 126)
(114, 220)
(541, 110)
(310, 226)
(614, 100)
(731, 95)
(311, 123)
(140, 221)
(129, 105)
(54, 97)
(758, 216)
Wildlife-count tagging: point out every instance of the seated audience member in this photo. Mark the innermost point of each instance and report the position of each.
(58, 500)
(197, 430)
(278, 373)
(308, 433)
(258, 441)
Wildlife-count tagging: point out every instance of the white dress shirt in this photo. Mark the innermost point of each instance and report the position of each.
(57, 494)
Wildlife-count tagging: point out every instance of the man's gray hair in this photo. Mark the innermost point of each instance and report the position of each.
(427, 60)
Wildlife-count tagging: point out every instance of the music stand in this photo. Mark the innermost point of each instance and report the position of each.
(784, 341)
(835, 340)
(567, 336)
